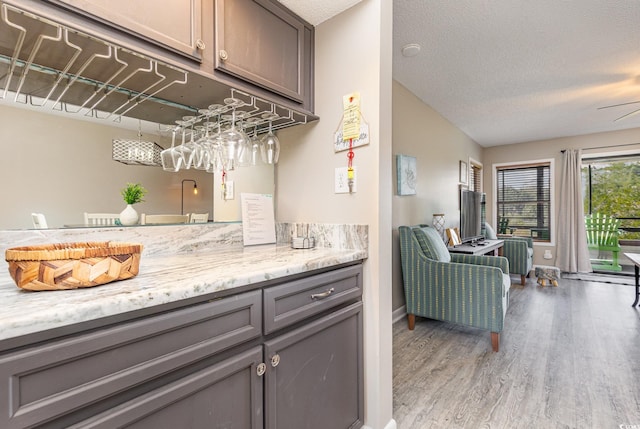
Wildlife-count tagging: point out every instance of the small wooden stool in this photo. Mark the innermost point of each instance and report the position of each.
(544, 273)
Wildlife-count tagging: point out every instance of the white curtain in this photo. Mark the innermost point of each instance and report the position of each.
(573, 253)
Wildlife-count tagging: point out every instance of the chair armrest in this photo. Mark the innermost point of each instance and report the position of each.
(527, 240)
(516, 248)
(489, 261)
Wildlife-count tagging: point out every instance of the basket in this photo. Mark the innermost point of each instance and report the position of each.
(136, 152)
(72, 265)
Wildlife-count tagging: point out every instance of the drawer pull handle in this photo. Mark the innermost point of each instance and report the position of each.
(261, 369)
(322, 295)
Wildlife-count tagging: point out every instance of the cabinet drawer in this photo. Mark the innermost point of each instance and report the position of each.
(224, 395)
(42, 382)
(294, 301)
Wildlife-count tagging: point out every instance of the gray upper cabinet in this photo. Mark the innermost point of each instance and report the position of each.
(261, 42)
(175, 24)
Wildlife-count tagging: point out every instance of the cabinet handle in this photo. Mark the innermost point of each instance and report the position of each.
(322, 295)
(275, 360)
(200, 44)
(261, 369)
(223, 55)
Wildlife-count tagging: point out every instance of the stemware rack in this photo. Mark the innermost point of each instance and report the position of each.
(50, 65)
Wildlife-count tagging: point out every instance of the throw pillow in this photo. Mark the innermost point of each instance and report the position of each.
(490, 232)
(432, 244)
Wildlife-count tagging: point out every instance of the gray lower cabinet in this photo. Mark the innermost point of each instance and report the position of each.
(225, 395)
(314, 376)
(285, 356)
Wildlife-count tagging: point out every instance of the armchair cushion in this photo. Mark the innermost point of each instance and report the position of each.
(490, 233)
(432, 244)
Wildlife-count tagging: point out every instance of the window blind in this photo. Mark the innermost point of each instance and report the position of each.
(475, 173)
(524, 200)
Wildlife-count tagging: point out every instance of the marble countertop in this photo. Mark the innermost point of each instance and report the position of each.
(162, 279)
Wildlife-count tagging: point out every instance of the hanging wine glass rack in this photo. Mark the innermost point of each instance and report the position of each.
(49, 65)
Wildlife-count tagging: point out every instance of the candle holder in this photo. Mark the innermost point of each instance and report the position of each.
(438, 224)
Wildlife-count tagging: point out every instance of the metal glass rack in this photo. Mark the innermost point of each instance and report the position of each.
(49, 65)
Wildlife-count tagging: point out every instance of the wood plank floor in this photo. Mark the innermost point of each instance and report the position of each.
(569, 358)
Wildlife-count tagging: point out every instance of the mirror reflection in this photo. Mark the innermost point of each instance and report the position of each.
(62, 167)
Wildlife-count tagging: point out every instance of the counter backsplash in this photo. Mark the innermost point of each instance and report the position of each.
(174, 239)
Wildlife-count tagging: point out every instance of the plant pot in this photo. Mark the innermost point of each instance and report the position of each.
(129, 216)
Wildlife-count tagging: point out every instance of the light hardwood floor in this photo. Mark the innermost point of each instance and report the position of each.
(569, 358)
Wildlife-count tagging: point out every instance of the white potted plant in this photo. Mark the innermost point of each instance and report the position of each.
(133, 193)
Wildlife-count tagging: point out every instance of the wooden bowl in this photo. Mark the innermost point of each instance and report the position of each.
(72, 265)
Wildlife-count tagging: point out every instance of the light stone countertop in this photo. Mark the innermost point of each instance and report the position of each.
(162, 279)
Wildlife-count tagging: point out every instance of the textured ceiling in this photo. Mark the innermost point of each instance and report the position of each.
(510, 71)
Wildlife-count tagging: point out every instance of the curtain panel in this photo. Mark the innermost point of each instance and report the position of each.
(572, 250)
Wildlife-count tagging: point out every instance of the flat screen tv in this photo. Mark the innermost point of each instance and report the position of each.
(472, 215)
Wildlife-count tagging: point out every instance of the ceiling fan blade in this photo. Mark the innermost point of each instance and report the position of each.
(617, 105)
(635, 112)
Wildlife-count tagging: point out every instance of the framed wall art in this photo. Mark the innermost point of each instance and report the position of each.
(406, 174)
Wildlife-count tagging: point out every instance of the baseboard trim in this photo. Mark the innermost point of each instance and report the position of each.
(391, 425)
(398, 314)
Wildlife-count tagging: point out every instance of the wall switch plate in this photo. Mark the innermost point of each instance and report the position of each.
(342, 182)
(547, 254)
(228, 190)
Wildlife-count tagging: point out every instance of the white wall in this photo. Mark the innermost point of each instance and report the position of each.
(438, 147)
(257, 179)
(353, 54)
(62, 167)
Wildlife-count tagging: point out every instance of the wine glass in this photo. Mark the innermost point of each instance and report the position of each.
(232, 138)
(186, 150)
(269, 144)
(170, 157)
(245, 145)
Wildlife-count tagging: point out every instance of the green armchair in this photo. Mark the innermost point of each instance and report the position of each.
(518, 250)
(464, 289)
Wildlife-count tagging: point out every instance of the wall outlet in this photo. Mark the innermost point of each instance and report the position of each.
(547, 254)
(342, 182)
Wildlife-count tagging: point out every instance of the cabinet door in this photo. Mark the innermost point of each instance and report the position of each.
(176, 24)
(316, 382)
(262, 43)
(50, 380)
(224, 395)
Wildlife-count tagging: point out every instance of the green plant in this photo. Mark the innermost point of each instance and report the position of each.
(133, 193)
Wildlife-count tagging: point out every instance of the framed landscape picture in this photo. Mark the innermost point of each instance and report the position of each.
(406, 174)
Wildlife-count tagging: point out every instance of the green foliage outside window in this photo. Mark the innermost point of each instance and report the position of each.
(614, 190)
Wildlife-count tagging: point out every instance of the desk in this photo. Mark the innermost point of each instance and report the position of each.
(635, 258)
(494, 246)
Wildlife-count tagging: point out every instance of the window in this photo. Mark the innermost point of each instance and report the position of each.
(612, 186)
(523, 200)
(475, 176)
